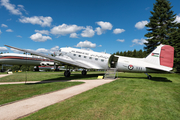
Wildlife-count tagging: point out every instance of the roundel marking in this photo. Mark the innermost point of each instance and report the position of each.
(130, 67)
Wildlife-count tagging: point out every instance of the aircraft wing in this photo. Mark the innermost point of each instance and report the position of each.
(57, 59)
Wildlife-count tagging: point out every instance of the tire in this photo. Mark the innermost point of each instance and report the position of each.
(67, 73)
(149, 77)
(84, 72)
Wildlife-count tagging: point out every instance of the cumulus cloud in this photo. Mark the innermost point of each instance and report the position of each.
(119, 40)
(54, 49)
(177, 18)
(138, 42)
(65, 29)
(40, 20)
(46, 32)
(19, 36)
(73, 35)
(39, 38)
(99, 31)
(3, 49)
(11, 7)
(16, 51)
(9, 30)
(86, 44)
(3, 25)
(42, 50)
(118, 31)
(104, 26)
(100, 46)
(141, 24)
(88, 32)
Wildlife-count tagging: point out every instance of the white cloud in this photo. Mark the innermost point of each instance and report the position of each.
(141, 24)
(99, 30)
(40, 20)
(16, 51)
(3, 25)
(88, 32)
(0, 32)
(19, 36)
(118, 31)
(73, 35)
(46, 32)
(54, 49)
(100, 46)
(9, 30)
(177, 18)
(11, 7)
(138, 42)
(65, 29)
(86, 44)
(21, 7)
(3, 49)
(43, 50)
(119, 40)
(104, 26)
(39, 38)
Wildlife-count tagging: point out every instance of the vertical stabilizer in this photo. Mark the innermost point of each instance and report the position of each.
(162, 55)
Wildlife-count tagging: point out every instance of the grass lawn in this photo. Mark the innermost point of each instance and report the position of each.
(10, 93)
(43, 76)
(130, 97)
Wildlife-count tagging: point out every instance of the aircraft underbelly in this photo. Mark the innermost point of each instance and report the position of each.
(19, 62)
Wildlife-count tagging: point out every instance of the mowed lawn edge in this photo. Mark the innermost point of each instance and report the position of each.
(130, 97)
(46, 76)
(12, 93)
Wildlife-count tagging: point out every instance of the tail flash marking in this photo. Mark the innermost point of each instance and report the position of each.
(167, 56)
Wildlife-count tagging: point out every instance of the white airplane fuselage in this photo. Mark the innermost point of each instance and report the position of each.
(22, 59)
(99, 60)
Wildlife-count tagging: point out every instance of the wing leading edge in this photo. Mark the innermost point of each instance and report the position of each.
(56, 59)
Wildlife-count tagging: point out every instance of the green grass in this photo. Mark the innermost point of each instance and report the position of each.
(130, 97)
(43, 76)
(10, 93)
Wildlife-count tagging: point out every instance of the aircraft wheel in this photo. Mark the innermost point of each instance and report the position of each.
(149, 77)
(84, 72)
(67, 73)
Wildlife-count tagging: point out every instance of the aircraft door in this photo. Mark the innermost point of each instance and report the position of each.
(112, 62)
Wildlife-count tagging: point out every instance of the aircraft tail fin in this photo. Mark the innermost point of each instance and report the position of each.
(162, 55)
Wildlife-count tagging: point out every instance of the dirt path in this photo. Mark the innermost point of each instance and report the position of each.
(28, 106)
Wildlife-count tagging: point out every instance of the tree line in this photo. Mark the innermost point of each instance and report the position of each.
(136, 54)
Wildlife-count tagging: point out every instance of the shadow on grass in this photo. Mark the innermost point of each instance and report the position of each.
(65, 79)
(157, 79)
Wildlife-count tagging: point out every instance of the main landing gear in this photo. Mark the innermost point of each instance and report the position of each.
(67, 73)
(148, 76)
(84, 72)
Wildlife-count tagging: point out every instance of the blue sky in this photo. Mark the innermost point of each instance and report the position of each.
(100, 25)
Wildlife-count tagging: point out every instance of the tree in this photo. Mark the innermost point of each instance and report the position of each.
(161, 25)
(175, 38)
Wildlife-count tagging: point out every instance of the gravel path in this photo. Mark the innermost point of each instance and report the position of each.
(27, 106)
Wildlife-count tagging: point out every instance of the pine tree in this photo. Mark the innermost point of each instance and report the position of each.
(161, 25)
(175, 38)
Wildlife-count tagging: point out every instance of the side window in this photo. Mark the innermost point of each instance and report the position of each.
(90, 57)
(102, 60)
(79, 55)
(84, 56)
(96, 59)
(74, 54)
